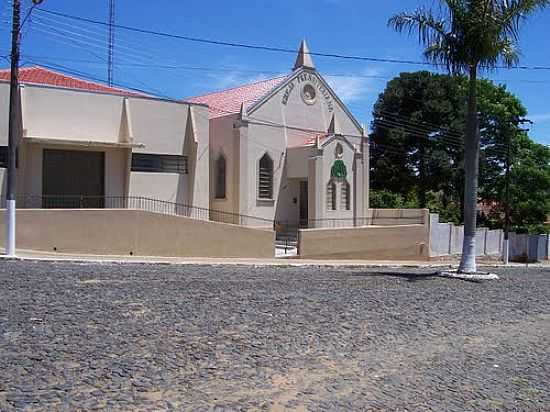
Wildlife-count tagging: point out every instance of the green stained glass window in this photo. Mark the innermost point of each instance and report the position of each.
(338, 170)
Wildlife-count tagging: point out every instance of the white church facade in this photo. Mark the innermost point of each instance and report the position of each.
(284, 150)
(287, 150)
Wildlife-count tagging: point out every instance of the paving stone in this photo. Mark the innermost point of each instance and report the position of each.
(202, 338)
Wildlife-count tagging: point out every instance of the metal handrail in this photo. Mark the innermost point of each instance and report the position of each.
(282, 227)
(137, 202)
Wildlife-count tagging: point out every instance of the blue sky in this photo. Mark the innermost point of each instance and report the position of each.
(354, 27)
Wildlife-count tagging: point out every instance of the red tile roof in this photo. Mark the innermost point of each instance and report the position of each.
(312, 137)
(41, 76)
(229, 101)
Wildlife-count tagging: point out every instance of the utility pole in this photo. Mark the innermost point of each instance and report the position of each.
(13, 128)
(506, 253)
(512, 127)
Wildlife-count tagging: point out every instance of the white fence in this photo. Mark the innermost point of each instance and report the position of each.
(446, 240)
(529, 248)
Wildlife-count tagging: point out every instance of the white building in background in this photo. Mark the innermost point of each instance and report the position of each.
(284, 149)
(287, 149)
(83, 140)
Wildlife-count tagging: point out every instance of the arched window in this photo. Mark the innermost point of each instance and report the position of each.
(331, 195)
(219, 173)
(346, 198)
(265, 178)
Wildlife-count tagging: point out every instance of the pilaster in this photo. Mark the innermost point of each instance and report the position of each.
(316, 189)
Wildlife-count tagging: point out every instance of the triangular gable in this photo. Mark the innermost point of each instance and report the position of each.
(323, 88)
(334, 137)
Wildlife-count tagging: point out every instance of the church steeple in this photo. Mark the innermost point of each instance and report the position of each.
(304, 57)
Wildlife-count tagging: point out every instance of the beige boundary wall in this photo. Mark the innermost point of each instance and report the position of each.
(400, 242)
(126, 231)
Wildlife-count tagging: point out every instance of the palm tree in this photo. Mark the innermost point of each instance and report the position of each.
(466, 37)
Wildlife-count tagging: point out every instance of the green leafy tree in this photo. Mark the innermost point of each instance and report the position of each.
(529, 189)
(418, 139)
(466, 37)
(416, 143)
(385, 199)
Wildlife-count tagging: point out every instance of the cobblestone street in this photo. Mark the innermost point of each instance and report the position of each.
(230, 338)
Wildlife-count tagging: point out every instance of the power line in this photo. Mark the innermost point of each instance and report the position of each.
(83, 38)
(92, 31)
(495, 150)
(388, 148)
(132, 53)
(260, 47)
(87, 76)
(430, 127)
(225, 69)
(417, 130)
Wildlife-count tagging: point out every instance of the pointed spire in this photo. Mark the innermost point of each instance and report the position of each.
(334, 126)
(304, 58)
(243, 113)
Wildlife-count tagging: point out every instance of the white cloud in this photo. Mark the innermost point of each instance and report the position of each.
(235, 78)
(540, 118)
(356, 88)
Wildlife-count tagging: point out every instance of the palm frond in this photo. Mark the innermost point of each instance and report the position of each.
(509, 53)
(512, 12)
(469, 33)
(422, 21)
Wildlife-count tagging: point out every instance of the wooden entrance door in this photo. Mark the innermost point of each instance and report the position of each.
(73, 179)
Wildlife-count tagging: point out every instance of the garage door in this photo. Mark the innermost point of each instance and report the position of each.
(73, 179)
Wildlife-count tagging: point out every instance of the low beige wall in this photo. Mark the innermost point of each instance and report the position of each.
(140, 233)
(403, 242)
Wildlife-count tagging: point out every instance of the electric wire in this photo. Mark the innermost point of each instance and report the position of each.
(92, 35)
(87, 41)
(133, 52)
(261, 47)
(264, 122)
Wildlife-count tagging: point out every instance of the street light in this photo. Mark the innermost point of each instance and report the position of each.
(12, 138)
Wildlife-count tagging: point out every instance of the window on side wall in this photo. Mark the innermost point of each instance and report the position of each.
(159, 163)
(331, 195)
(265, 178)
(346, 198)
(220, 177)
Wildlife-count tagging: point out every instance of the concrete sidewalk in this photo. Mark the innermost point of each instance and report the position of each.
(59, 257)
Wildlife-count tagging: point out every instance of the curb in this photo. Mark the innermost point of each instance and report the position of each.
(97, 260)
(228, 262)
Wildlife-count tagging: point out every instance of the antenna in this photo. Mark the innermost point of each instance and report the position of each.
(111, 46)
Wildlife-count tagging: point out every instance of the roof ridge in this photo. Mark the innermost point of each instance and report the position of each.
(82, 79)
(237, 87)
(69, 76)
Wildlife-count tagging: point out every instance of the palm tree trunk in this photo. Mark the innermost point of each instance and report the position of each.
(471, 169)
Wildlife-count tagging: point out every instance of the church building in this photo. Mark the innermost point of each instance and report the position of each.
(287, 150)
(283, 150)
